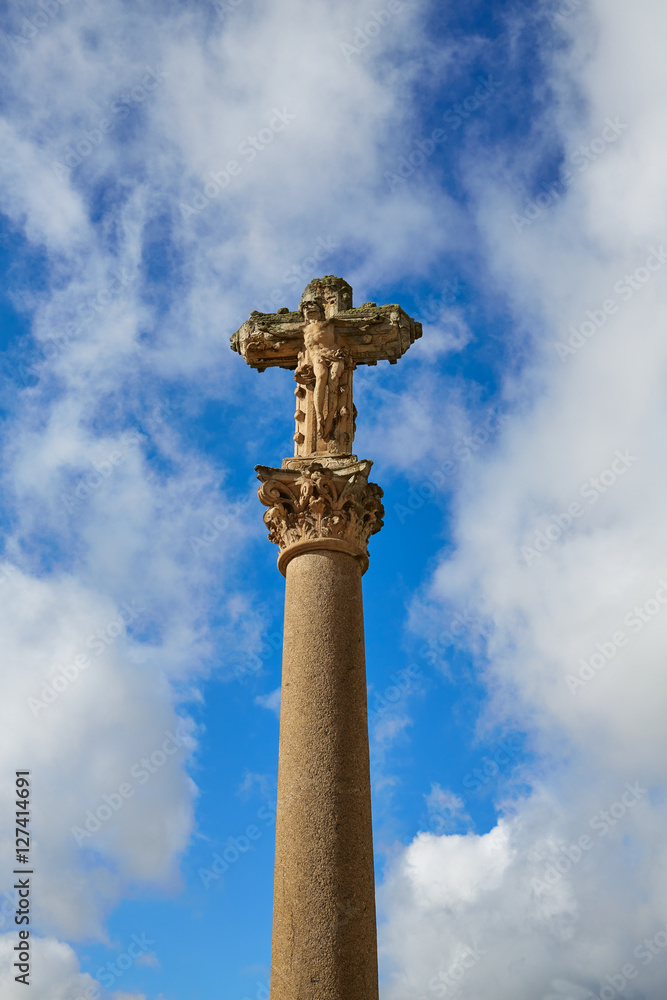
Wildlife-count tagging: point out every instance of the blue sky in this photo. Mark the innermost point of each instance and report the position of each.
(498, 170)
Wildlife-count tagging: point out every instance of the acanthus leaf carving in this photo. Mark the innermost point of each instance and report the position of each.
(316, 502)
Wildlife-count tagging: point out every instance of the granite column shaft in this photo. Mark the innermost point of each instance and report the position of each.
(324, 926)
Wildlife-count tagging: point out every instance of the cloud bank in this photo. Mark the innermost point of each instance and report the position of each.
(561, 548)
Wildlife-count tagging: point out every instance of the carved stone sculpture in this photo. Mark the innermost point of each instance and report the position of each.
(323, 343)
(315, 507)
(321, 511)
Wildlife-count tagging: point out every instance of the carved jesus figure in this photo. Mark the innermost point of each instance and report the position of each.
(321, 364)
(322, 343)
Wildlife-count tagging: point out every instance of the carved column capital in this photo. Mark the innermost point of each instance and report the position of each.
(314, 507)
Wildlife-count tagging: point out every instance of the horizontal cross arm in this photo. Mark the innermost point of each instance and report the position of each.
(376, 333)
(270, 340)
(370, 333)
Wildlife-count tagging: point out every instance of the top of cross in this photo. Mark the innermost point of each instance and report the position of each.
(323, 342)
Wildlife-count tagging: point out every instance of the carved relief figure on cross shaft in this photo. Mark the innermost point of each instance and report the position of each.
(321, 363)
(322, 343)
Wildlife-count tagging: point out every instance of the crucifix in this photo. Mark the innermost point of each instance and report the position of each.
(321, 513)
(322, 343)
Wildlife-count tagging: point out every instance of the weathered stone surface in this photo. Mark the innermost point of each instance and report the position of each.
(324, 925)
(317, 508)
(323, 343)
(321, 512)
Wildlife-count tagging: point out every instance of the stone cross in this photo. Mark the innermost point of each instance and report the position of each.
(322, 343)
(321, 513)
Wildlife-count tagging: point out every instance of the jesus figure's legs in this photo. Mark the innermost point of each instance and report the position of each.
(321, 372)
(336, 369)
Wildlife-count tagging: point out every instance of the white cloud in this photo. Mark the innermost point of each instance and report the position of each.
(107, 503)
(389, 728)
(133, 535)
(547, 614)
(55, 973)
(84, 707)
(445, 809)
(270, 701)
(149, 959)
